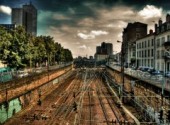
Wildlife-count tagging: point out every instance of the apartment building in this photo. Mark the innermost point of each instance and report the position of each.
(161, 39)
(151, 49)
(131, 33)
(145, 49)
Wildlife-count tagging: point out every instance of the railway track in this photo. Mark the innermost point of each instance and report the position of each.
(90, 107)
(104, 96)
(64, 105)
(85, 100)
(103, 107)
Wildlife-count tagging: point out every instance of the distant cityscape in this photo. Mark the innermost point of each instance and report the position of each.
(139, 48)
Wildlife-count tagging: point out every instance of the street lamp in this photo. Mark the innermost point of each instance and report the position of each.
(122, 69)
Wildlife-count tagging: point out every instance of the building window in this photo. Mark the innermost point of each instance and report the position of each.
(151, 62)
(158, 42)
(168, 38)
(142, 53)
(145, 43)
(152, 42)
(162, 55)
(158, 65)
(152, 52)
(168, 26)
(137, 54)
(163, 40)
(162, 66)
(162, 29)
(148, 43)
(148, 53)
(157, 54)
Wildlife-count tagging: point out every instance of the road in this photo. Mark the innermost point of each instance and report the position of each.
(83, 100)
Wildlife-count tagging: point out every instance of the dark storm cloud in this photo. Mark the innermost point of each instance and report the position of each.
(14, 3)
(81, 25)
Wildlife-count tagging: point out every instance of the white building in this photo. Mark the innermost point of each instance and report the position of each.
(101, 57)
(163, 35)
(145, 51)
(150, 50)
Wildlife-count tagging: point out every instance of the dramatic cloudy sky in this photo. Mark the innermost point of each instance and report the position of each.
(81, 25)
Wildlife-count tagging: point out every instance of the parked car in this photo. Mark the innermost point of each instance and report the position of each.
(21, 74)
(143, 68)
(156, 72)
(167, 74)
(38, 70)
(150, 70)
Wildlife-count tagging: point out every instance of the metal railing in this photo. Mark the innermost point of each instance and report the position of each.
(158, 80)
(12, 75)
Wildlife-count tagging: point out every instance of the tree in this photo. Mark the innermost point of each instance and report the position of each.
(58, 49)
(5, 38)
(39, 51)
(68, 55)
(14, 47)
(19, 49)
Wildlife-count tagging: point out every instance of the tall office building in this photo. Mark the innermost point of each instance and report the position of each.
(109, 48)
(27, 17)
(105, 48)
(103, 51)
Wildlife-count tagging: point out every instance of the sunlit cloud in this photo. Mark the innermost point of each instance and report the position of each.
(5, 9)
(92, 34)
(86, 36)
(98, 32)
(82, 47)
(150, 11)
(117, 24)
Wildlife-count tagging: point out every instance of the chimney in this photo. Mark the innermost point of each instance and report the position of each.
(150, 31)
(168, 18)
(156, 27)
(160, 22)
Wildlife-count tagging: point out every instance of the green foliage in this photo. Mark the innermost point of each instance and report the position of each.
(19, 49)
